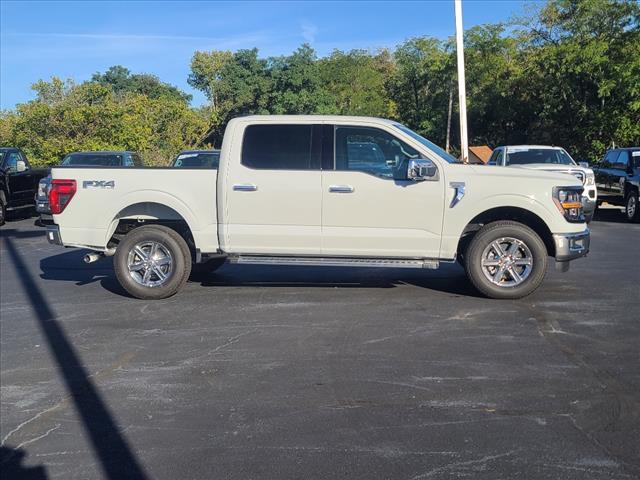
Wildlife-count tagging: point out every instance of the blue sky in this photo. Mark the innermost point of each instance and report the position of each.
(75, 39)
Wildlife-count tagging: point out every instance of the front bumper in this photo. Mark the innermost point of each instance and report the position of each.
(570, 246)
(53, 235)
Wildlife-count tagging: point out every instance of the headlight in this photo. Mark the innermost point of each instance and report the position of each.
(569, 203)
(591, 179)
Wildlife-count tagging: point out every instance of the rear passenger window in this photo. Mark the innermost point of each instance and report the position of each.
(279, 147)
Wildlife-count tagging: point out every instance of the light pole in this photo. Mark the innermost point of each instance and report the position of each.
(464, 142)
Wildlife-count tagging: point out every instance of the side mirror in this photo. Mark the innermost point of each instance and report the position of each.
(20, 166)
(420, 169)
(584, 164)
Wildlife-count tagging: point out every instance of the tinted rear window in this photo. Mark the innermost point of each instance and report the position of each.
(279, 147)
(197, 160)
(91, 159)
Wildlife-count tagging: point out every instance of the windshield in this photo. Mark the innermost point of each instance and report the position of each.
(93, 159)
(526, 156)
(197, 160)
(430, 145)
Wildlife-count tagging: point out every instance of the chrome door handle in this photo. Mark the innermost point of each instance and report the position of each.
(245, 187)
(341, 188)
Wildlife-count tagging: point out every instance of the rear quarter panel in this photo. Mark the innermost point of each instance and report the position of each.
(138, 193)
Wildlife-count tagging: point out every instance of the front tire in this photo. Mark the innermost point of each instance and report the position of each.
(152, 262)
(632, 207)
(506, 260)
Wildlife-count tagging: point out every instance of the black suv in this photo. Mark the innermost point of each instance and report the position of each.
(618, 180)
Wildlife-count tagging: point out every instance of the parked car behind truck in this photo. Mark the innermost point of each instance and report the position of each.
(293, 190)
(197, 159)
(83, 159)
(552, 159)
(18, 181)
(618, 180)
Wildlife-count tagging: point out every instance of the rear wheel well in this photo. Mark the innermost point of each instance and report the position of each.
(515, 214)
(142, 214)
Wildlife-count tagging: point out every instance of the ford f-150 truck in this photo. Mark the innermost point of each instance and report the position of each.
(322, 190)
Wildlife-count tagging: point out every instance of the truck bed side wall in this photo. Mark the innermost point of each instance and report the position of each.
(138, 193)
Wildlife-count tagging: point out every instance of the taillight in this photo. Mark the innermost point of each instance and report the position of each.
(60, 194)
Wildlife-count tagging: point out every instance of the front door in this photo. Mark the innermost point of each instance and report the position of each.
(20, 183)
(369, 208)
(273, 193)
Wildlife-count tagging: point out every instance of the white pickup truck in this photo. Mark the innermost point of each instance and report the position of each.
(321, 190)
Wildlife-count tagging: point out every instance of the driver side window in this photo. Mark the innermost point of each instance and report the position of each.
(372, 151)
(12, 162)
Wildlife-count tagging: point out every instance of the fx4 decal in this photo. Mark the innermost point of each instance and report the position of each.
(98, 184)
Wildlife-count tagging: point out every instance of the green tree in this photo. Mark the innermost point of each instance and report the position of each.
(584, 74)
(421, 84)
(355, 83)
(123, 81)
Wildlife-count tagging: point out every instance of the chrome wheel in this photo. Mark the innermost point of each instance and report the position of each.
(150, 263)
(507, 262)
(631, 206)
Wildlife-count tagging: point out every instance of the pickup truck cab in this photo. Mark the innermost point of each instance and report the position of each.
(618, 180)
(322, 190)
(18, 181)
(551, 159)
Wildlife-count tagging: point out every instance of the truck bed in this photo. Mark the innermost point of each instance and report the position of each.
(107, 195)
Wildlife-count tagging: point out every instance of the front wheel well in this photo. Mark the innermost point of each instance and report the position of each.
(515, 214)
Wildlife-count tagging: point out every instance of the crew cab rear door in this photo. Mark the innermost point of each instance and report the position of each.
(273, 196)
(369, 207)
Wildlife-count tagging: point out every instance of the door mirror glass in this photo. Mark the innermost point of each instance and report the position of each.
(20, 166)
(420, 169)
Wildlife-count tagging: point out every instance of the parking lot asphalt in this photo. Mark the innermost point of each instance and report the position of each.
(293, 372)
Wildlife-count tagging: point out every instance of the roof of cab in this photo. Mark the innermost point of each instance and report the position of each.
(317, 118)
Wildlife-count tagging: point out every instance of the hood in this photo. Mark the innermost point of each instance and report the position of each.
(512, 175)
(553, 167)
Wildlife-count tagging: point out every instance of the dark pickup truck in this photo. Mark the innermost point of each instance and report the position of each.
(18, 181)
(618, 180)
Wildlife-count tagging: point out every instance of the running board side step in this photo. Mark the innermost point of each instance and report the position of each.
(336, 261)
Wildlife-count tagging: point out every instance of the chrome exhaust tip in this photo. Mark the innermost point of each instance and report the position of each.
(92, 257)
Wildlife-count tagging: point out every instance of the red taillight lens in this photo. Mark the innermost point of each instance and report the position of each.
(60, 194)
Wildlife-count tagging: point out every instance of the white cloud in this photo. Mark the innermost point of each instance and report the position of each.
(309, 31)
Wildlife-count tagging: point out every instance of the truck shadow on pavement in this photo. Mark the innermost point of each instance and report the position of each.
(448, 279)
(68, 266)
(111, 448)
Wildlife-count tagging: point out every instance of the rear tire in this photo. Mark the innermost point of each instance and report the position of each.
(152, 262)
(506, 260)
(632, 207)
